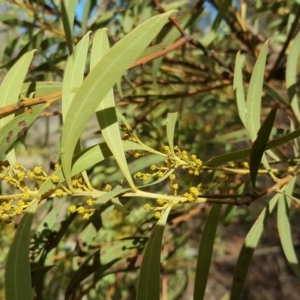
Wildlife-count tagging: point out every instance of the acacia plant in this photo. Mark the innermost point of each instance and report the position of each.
(122, 122)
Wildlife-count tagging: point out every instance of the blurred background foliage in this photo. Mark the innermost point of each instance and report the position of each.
(195, 79)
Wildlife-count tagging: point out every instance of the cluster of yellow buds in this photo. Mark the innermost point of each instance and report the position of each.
(86, 211)
(158, 172)
(16, 204)
(192, 194)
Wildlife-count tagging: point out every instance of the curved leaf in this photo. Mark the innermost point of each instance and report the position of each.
(284, 228)
(149, 278)
(291, 75)
(74, 73)
(248, 248)
(171, 123)
(259, 145)
(253, 101)
(106, 111)
(17, 270)
(100, 80)
(10, 89)
(205, 251)
(239, 89)
(224, 158)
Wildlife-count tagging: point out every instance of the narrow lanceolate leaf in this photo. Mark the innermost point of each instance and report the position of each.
(291, 75)
(221, 159)
(100, 80)
(284, 228)
(248, 248)
(12, 83)
(68, 15)
(106, 110)
(16, 128)
(74, 73)
(149, 279)
(205, 251)
(10, 89)
(100, 47)
(253, 102)
(259, 145)
(238, 87)
(17, 269)
(171, 123)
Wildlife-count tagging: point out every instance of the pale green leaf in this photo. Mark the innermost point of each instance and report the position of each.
(106, 111)
(238, 87)
(74, 73)
(10, 89)
(100, 80)
(253, 102)
(223, 158)
(171, 123)
(284, 227)
(291, 75)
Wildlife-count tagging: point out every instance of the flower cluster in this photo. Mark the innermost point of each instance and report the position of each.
(16, 204)
(86, 211)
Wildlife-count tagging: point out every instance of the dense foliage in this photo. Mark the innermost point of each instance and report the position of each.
(134, 134)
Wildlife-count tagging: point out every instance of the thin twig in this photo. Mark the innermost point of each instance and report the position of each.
(191, 40)
(286, 44)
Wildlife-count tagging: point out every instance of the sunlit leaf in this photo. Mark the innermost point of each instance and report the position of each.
(284, 227)
(10, 89)
(253, 102)
(106, 110)
(100, 80)
(239, 89)
(171, 123)
(291, 75)
(74, 73)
